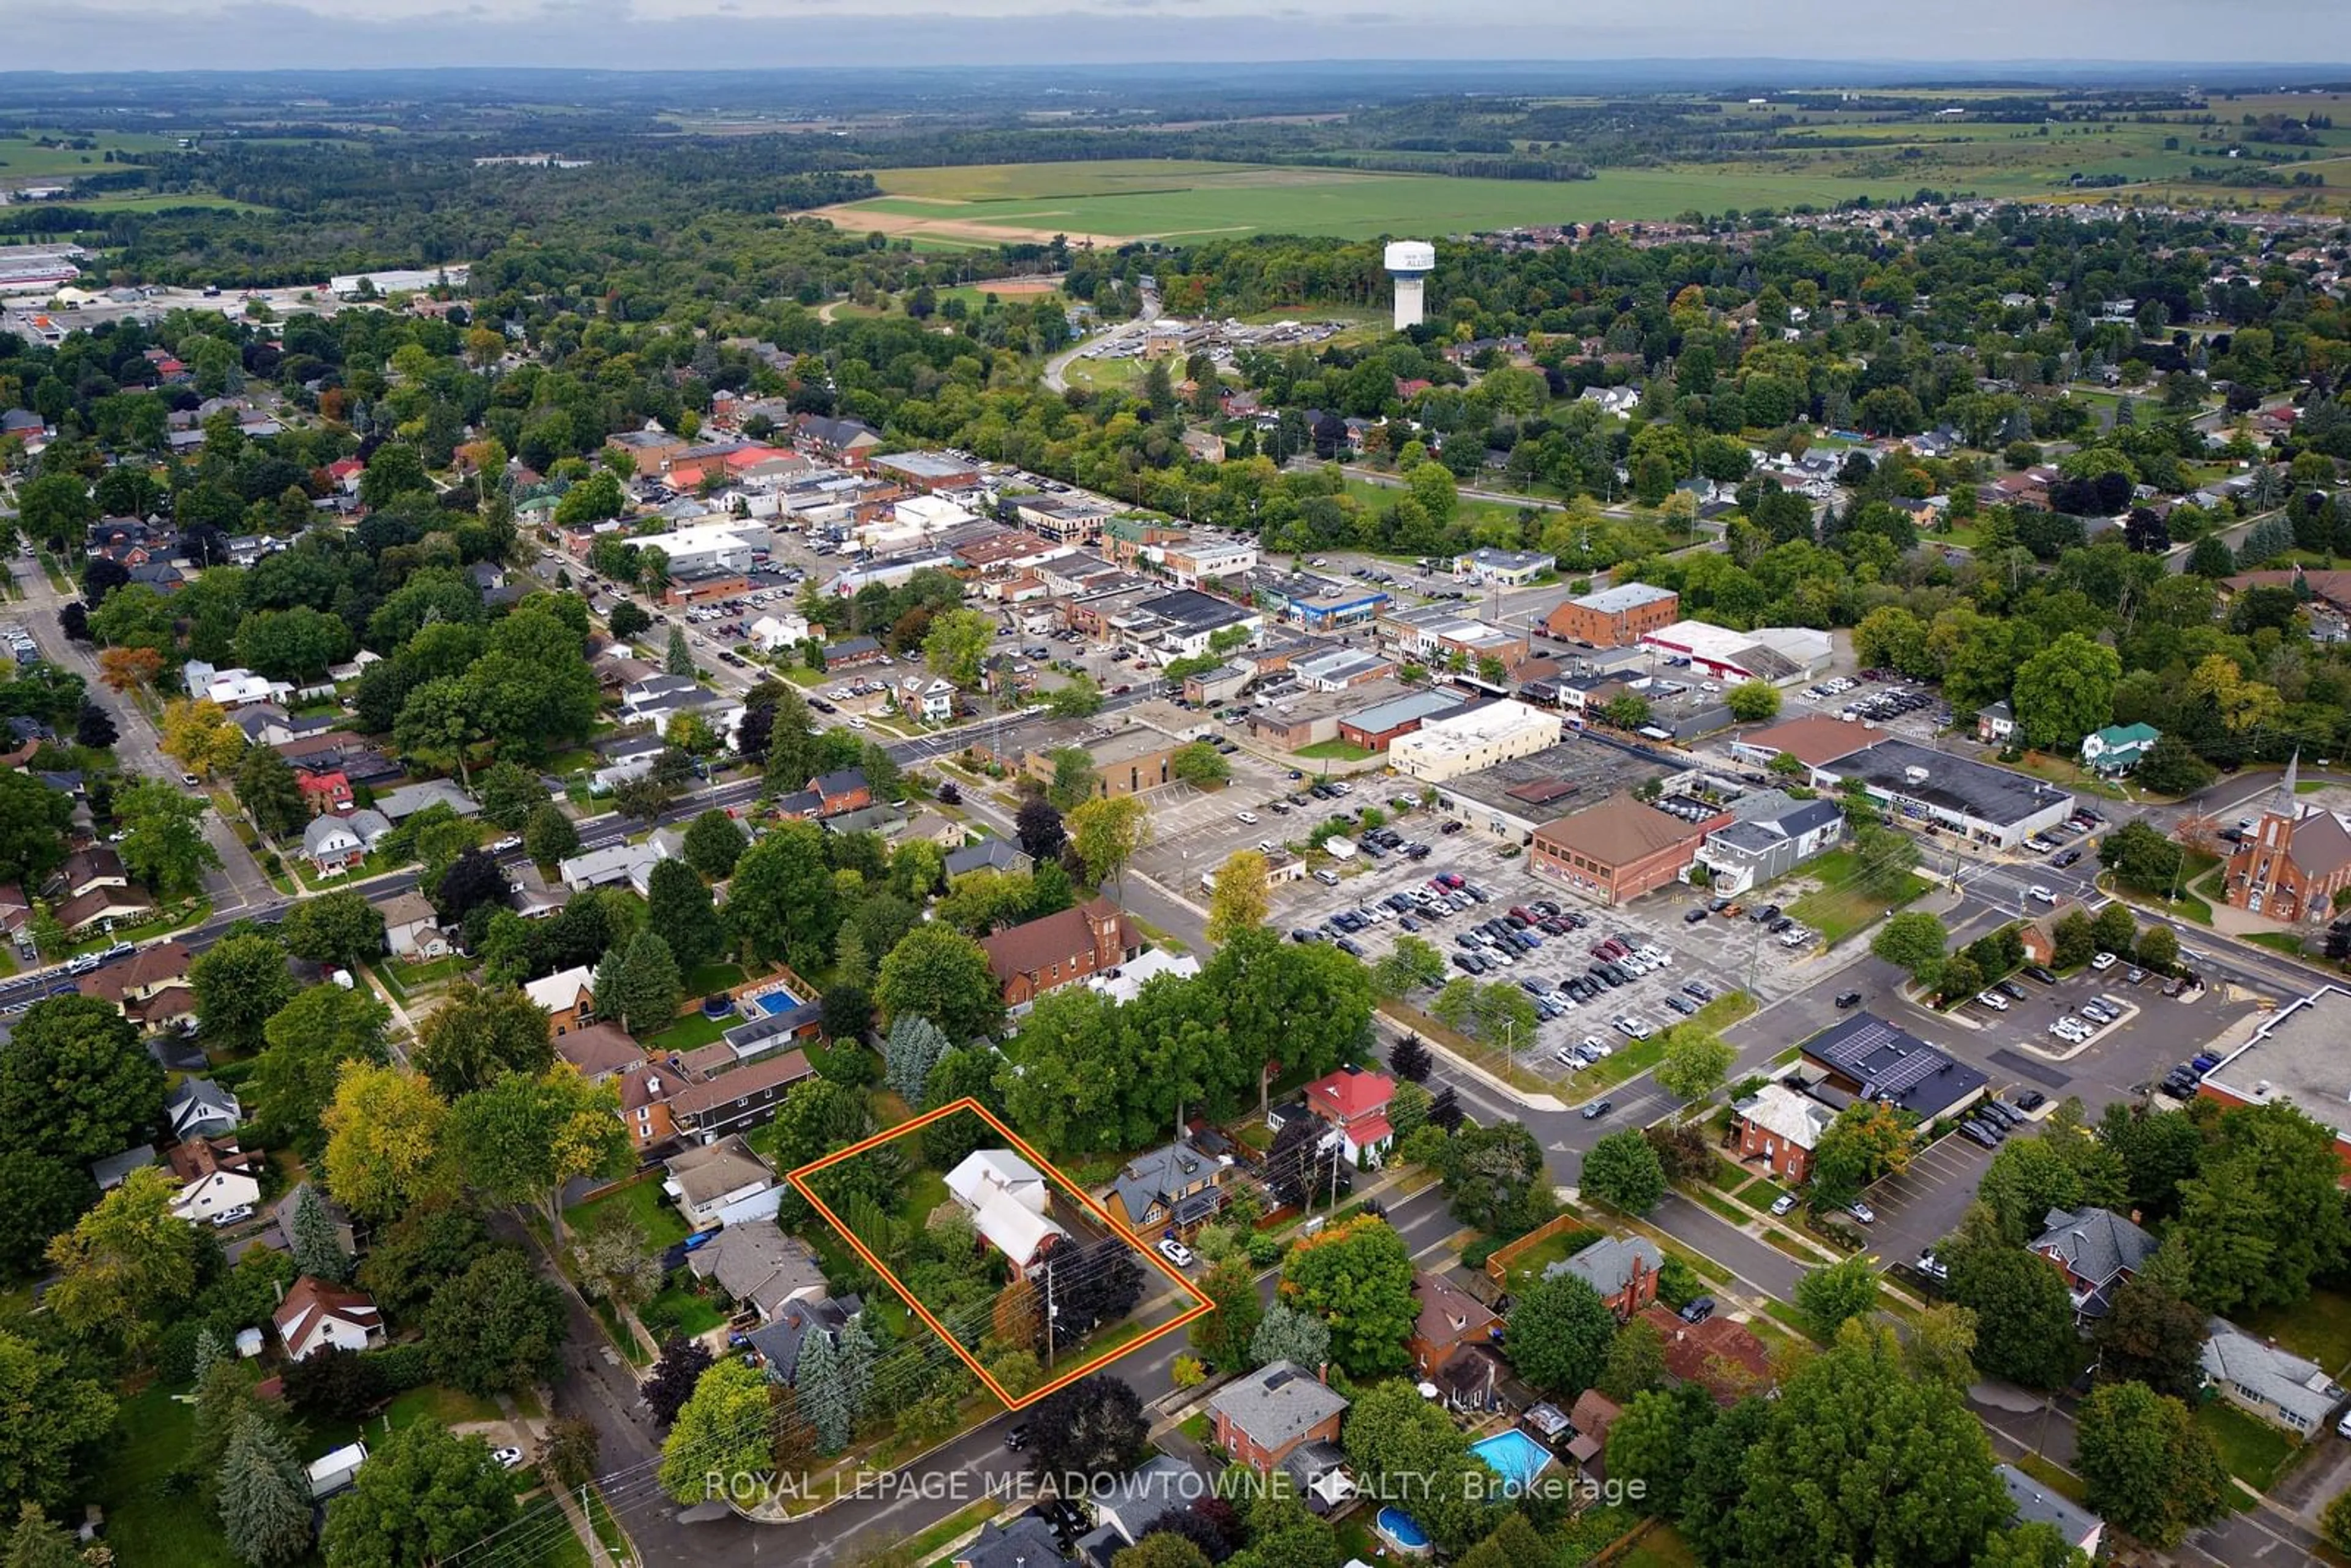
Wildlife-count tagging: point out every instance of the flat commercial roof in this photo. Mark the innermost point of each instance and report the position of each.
(1895, 1066)
(1623, 597)
(1619, 830)
(1418, 704)
(2297, 1054)
(1572, 773)
(1960, 784)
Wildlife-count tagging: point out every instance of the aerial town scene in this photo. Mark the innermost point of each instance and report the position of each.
(990, 785)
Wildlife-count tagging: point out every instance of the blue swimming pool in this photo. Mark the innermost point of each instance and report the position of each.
(774, 1002)
(1514, 1456)
(1403, 1531)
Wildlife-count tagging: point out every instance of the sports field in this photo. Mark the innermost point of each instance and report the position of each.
(1113, 201)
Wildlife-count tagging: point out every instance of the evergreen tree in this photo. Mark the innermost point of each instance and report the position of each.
(679, 659)
(856, 1355)
(318, 1249)
(265, 1497)
(639, 984)
(823, 1392)
(914, 1047)
(207, 1354)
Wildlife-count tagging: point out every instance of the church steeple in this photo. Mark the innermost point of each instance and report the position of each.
(2284, 806)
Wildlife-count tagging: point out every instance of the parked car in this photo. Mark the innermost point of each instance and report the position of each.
(2040, 972)
(1848, 1000)
(1175, 1252)
(1597, 1109)
(1862, 1212)
(1785, 1204)
(1697, 1309)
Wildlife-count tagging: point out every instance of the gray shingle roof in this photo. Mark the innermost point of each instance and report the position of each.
(2270, 1375)
(1277, 1404)
(2096, 1244)
(1607, 1264)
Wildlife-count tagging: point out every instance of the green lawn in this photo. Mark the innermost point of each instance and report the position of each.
(641, 1198)
(2053, 1476)
(925, 1190)
(689, 1313)
(449, 1407)
(148, 1522)
(1722, 1013)
(1335, 751)
(1661, 1548)
(2253, 1450)
(709, 979)
(2284, 941)
(1527, 1266)
(1630, 1062)
(1839, 907)
(2319, 1328)
(685, 1034)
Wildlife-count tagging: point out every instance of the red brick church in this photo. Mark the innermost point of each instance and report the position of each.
(2294, 862)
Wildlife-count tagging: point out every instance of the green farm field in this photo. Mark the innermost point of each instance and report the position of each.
(21, 160)
(1164, 198)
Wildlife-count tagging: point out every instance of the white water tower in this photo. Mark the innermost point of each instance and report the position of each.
(1409, 262)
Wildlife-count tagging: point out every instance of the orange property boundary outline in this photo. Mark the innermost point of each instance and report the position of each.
(798, 1178)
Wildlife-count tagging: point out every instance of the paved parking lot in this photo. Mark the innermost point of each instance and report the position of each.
(1193, 831)
(1308, 904)
(1922, 1205)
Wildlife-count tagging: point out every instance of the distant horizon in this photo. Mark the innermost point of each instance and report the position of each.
(81, 38)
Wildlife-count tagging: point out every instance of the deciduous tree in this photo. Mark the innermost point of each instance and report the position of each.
(1357, 1277)
(384, 1139)
(479, 1033)
(2148, 1467)
(1623, 1171)
(425, 1495)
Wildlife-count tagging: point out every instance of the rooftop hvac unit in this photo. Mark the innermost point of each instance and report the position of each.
(1915, 775)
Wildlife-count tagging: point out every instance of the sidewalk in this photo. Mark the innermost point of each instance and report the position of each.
(1466, 1068)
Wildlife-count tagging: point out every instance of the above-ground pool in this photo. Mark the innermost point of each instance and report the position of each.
(1514, 1456)
(1401, 1530)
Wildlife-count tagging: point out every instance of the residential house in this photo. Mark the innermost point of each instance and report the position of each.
(925, 697)
(1024, 1541)
(2036, 1504)
(317, 1315)
(988, 854)
(1450, 1336)
(601, 1050)
(113, 1170)
(568, 997)
(1355, 1101)
(1723, 1357)
(930, 828)
(411, 928)
(736, 1101)
(200, 1108)
(331, 845)
(1771, 835)
(1622, 1269)
(615, 865)
(324, 794)
(709, 1178)
(2270, 1382)
(781, 629)
(1262, 1415)
(16, 919)
(215, 1175)
(1059, 949)
(1587, 1426)
(1125, 983)
(1996, 724)
(778, 1341)
(282, 1213)
(102, 907)
(646, 1090)
(88, 870)
(2118, 748)
(1008, 1200)
(1782, 1127)
(1161, 1483)
(759, 1266)
(2097, 1250)
(399, 805)
(149, 987)
(1171, 1190)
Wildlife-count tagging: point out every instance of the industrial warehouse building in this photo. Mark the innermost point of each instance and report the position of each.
(1448, 747)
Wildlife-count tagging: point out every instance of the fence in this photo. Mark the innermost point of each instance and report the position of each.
(1498, 1263)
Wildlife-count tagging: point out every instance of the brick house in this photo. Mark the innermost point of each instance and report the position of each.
(1260, 1417)
(2097, 1250)
(1449, 1336)
(734, 1101)
(1060, 949)
(148, 986)
(1622, 1269)
(568, 996)
(1723, 1357)
(1781, 1128)
(325, 794)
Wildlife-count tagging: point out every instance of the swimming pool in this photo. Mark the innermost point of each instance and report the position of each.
(1514, 1456)
(771, 1002)
(1401, 1531)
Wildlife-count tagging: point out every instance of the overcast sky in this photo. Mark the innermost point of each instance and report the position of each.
(102, 35)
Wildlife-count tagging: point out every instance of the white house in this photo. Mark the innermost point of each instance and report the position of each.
(709, 1178)
(200, 1108)
(927, 698)
(331, 847)
(316, 1315)
(215, 1178)
(782, 630)
(1007, 1198)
